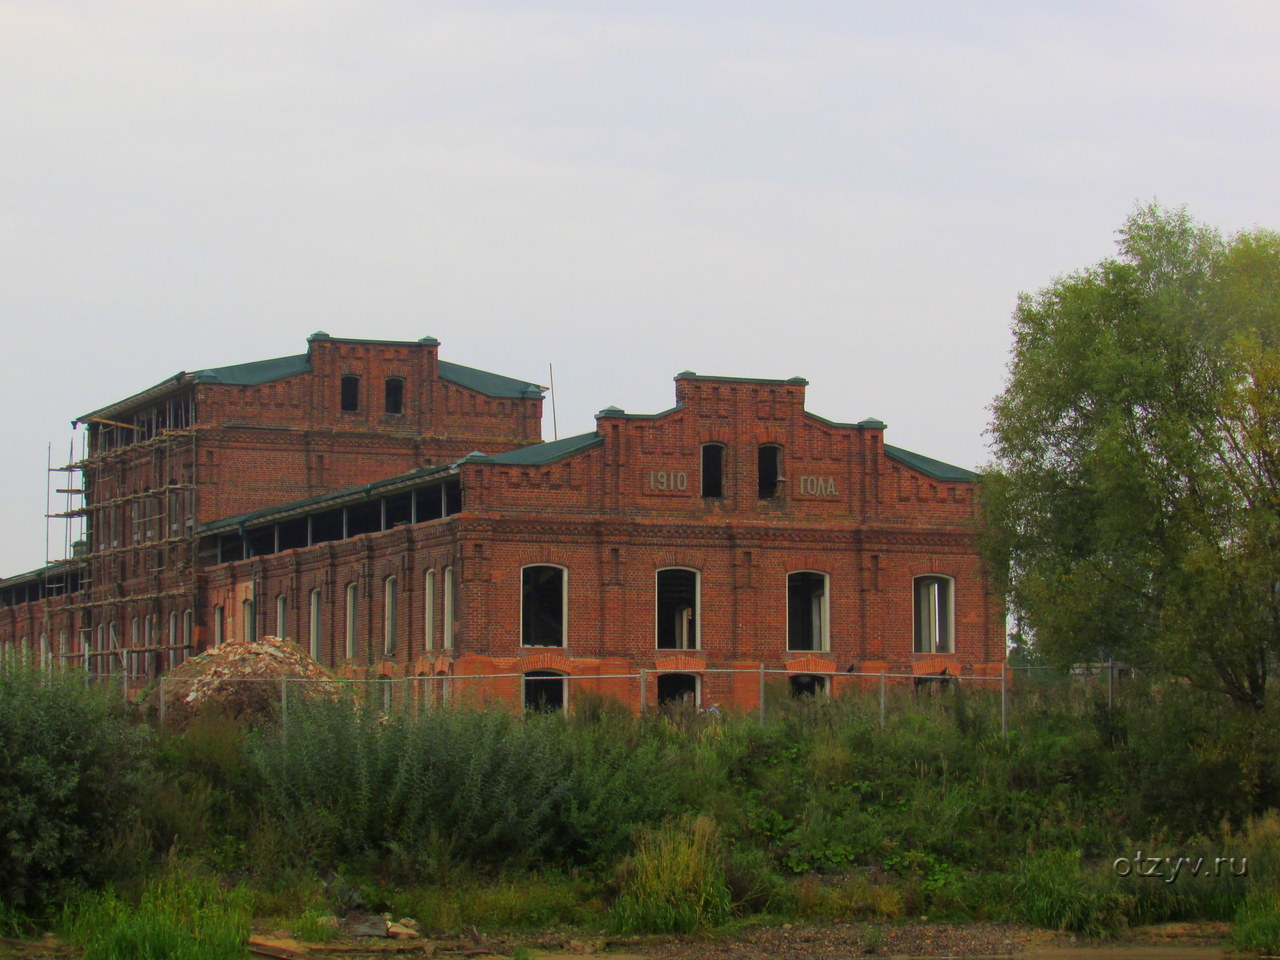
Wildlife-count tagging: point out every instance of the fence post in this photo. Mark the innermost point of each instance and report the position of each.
(284, 706)
(882, 685)
(762, 691)
(643, 690)
(1004, 700)
(160, 693)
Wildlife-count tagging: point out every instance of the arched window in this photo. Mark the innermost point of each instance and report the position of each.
(389, 611)
(250, 620)
(807, 685)
(353, 614)
(769, 459)
(219, 625)
(713, 470)
(350, 393)
(934, 614)
(429, 609)
(448, 608)
(678, 689)
(394, 395)
(314, 625)
(282, 615)
(544, 691)
(807, 611)
(677, 614)
(543, 601)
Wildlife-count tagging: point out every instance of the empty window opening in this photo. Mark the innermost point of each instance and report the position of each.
(352, 620)
(364, 518)
(262, 541)
(389, 624)
(679, 689)
(292, 534)
(713, 469)
(542, 606)
(933, 614)
(395, 395)
(327, 526)
(452, 496)
(677, 609)
(806, 611)
(429, 503)
(398, 510)
(770, 470)
(807, 685)
(350, 394)
(314, 626)
(429, 609)
(544, 691)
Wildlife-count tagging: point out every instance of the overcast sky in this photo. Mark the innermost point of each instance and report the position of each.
(854, 192)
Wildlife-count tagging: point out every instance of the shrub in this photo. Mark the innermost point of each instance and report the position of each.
(1053, 890)
(675, 883)
(72, 771)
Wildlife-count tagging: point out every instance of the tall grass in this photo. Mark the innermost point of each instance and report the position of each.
(180, 915)
(675, 883)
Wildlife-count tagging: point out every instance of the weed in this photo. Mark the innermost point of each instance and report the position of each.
(675, 883)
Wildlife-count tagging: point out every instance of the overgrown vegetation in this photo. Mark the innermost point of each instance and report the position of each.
(668, 822)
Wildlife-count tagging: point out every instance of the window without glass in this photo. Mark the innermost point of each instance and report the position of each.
(543, 691)
(394, 395)
(677, 609)
(315, 625)
(770, 470)
(806, 610)
(350, 393)
(807, 685)
(542, 606)
(677, 688)
(429, 609)
(389, 616)
(933, 609)
(713, 469)
(352, 621)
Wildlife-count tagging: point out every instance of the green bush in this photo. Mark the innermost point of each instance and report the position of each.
(1054, 890)
(73, 769)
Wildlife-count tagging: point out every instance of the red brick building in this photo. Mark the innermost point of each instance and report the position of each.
(396, 515)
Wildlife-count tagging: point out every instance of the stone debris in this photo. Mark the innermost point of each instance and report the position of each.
(241, 680)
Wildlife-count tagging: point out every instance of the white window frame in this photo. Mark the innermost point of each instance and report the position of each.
(390, 615)
(352, 617)
(564, 608)
(429, 609)
(313, 628)
(950, 613)
(282, 615)
(448, 608)
(697, 608)
(824, 632)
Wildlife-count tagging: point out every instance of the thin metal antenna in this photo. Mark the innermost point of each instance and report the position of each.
(555, 427)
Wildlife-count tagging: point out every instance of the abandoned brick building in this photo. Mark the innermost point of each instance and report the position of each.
(397, 516)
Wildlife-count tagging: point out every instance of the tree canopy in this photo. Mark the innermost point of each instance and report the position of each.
(1134, 506)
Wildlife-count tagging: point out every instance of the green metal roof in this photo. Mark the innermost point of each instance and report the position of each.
(549, 452)
(490, 384)
(255, 372)
(52, 569)
(928, 466)
(790, 381)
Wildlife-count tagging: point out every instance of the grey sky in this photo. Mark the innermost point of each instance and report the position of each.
(854, 192)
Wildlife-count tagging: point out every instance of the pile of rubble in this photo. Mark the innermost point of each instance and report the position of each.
(242, 680)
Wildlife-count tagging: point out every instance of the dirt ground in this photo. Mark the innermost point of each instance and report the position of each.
(799, 942)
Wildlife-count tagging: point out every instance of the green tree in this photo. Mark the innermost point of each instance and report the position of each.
(1134, 506)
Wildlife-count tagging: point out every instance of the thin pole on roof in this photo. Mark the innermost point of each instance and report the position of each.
(555, 427)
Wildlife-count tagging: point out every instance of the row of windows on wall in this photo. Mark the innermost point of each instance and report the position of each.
(392, 394)
(548, 691)
(350, 634)
(544, 601)
(769, 478)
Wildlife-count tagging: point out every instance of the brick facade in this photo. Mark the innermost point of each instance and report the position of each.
(389, 546)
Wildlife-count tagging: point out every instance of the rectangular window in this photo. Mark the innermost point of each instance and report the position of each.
(352, 614)
(933, 614)
(448, 608)
(350, 394)
(394, 395)
(389, 616)
(677, 609)
(713, 469)
(250, 621)
(806, 610)
(282, 625)
(770, 470)
(542, 606)
(219, 625)
(429, 609)
(314, 635)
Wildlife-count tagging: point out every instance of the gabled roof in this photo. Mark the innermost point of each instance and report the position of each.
(930, 467)
(255, 372)
(490, 384)
(544, 453)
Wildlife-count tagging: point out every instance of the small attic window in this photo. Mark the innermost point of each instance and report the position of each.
(395, 395)
(350, 393)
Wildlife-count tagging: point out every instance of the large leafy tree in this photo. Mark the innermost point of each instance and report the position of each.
(1135, 500)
